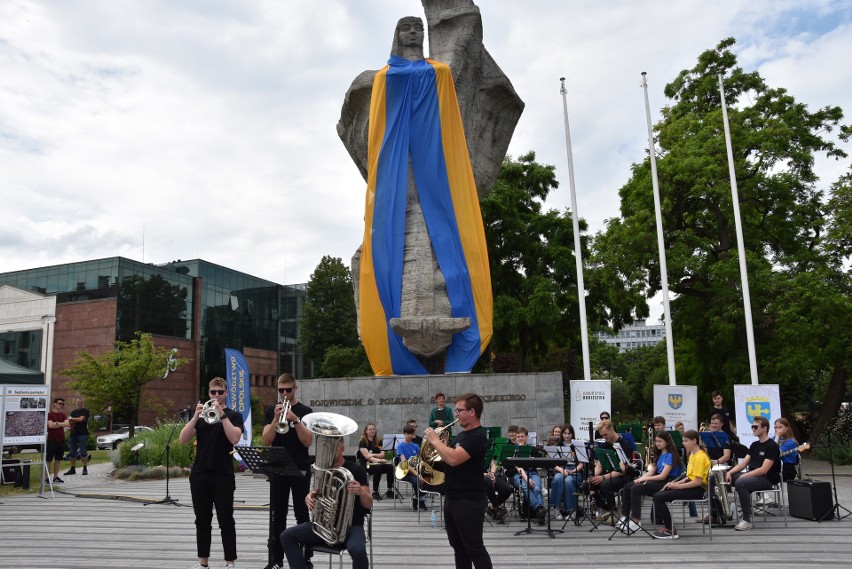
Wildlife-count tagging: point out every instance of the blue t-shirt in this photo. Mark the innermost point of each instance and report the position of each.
(407, 450)
(788, 445)
(666, 459)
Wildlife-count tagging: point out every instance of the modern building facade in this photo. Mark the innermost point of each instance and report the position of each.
(196, 306)
(637, 335)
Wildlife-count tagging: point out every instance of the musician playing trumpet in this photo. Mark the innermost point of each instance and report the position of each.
(295, 538)
(211, 480)
(296, 440)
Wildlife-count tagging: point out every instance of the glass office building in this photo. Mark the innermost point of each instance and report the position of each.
(234, 309)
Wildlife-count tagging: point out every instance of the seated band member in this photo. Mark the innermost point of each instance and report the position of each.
(512, 433)
(787, 445)
(668, 467)
(606, 484)
(659, 423)
(372, 458)
(721, 454)
(295, 538)
(528, 482)
(566, 479)
(690, 488)
(498, 491)
(764, 470)
(404, 451)
(555, 436)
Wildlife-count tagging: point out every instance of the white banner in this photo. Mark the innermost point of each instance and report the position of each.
(751, 401)
(677, 403)
(589, 398)
(25, 410)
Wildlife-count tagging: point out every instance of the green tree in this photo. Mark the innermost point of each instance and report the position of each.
(117, 379)
(346, 362)
(775, 142)
(329, 313)
(531, 254)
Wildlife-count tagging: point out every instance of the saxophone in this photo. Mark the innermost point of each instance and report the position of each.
(334, 506)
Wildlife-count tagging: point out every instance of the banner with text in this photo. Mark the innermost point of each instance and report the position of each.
(751, 401)
(239, 387)
(677, 403)
(589, 398)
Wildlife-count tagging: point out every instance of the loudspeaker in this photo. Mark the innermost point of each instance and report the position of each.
(810, 499)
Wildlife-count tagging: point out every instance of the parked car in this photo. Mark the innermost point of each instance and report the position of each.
(119, 436)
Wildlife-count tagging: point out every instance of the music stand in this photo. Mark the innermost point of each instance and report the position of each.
(271, 461)
(529, 529)
(609, 463)
(390, 441)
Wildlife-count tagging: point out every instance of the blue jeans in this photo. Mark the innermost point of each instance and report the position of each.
(563, 491)
(535, 498)
(77, 446)
(295, 537)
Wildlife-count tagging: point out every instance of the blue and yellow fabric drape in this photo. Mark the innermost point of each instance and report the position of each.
(414, 112)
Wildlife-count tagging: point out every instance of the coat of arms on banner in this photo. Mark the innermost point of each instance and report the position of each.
(675, 400)
(757, 407)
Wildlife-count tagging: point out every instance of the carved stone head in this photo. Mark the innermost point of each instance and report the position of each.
(407, 21)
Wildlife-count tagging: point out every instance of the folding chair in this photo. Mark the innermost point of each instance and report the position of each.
(705, 510)
(338, 550)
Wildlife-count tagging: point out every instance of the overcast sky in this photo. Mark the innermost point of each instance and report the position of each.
(175, 129)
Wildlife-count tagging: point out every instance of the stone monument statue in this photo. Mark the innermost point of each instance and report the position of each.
(429, 136)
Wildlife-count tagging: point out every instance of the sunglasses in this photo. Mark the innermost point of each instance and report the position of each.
(755, 427)
(217, 392)
(285, 389)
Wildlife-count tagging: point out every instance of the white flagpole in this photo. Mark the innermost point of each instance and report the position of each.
(752, 356)
(661, 245)
(578, 253)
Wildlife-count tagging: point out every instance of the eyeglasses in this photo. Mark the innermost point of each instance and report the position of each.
(285, 389)
(458, 411)
(60, 404)
(756, 427)
(217, 392)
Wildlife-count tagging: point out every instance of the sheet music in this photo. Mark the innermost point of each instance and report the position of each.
(556, 451)
(620, 452)
(581, 451)
(390, 441)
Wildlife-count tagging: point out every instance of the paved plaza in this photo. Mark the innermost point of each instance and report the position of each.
(97, 522)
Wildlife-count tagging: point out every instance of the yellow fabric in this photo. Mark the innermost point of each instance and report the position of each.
(698, 466)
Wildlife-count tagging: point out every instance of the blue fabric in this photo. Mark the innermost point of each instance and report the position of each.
(665, 459)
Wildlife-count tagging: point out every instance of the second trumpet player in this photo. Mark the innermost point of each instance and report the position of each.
(282, 427)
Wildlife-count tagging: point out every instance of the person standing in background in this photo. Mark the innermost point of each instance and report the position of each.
(79, 439)
(56, 423)
(441, 415)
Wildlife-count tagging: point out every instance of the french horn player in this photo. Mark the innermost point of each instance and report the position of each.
(338, 482)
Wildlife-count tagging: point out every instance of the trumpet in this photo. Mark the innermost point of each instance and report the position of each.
(702, 428)
(282, 426)
(210, 412)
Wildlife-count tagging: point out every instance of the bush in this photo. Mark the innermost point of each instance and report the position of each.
(841, 438)
(153, 453)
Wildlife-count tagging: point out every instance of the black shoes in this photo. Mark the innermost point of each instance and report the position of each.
(541, 514)
(389, 494)
(377, 496)
(71, 471)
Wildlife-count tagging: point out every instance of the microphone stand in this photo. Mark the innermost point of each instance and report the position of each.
(837, 507)
(168, 499)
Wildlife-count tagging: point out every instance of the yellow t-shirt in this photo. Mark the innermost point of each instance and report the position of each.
(698, 466)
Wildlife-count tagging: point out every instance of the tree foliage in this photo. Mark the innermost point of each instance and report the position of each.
(796, 241)
(117, 379)
(329, 317)
(531, 253)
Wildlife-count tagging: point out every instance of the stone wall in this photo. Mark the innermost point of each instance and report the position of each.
(532, 400)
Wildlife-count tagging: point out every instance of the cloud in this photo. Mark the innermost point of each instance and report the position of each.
(209, 127)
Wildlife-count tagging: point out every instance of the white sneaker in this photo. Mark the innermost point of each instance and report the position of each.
(633, 526)
(743, 526)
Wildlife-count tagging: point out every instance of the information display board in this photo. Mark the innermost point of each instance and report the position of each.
(24, 410)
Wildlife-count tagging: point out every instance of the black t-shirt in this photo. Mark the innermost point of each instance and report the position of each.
(768, 450)
(82, 427)
(360, 475)
(726, 418)
(715, 453)
(628, 449)
(465, 480)
(371, 447)
(290, 440)
(213, 453)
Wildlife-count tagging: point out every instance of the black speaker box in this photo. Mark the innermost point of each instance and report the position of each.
(810, 499)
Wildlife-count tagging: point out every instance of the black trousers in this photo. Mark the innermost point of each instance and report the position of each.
(464, 519)
(606, 490)
(376, 471)
(279, 498)
(214, 489)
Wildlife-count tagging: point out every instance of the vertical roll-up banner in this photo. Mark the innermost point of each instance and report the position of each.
(588, 399)
(751, 401)
(677, 403)
(239, 390)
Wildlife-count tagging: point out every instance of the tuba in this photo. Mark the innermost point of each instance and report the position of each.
(210, 413)
(333, 508)
(282, 426)
(431, 465)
